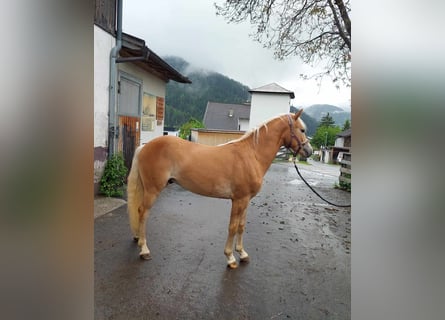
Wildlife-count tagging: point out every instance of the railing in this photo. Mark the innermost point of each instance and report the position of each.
(345, 169)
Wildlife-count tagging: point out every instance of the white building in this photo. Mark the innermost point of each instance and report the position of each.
(129, 88)
(267, 102)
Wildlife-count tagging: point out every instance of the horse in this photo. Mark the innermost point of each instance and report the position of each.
(233, 170)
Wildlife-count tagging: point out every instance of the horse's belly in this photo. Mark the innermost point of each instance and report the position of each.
(222, 190)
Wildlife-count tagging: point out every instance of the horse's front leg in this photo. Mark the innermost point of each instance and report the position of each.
(238, 208)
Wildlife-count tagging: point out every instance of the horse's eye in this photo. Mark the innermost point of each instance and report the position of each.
(302, 130)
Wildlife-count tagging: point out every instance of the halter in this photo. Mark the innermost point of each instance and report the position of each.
(294, 137)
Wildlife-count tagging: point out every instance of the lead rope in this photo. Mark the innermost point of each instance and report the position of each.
(298, 171)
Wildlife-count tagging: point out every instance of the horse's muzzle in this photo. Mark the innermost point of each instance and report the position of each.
(307, 148)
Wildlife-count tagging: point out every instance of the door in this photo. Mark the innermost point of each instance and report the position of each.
(129, 113)
(129, 138)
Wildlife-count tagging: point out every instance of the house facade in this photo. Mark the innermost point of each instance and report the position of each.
(267, 102)
(129, 89)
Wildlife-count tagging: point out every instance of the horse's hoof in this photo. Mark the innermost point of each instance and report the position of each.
(135, 239)
(245, 259)
(232, 265)
(145, 256)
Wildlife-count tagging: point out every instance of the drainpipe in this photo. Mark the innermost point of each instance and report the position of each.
(113, 130)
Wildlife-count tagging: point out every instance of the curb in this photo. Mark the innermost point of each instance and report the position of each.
(104, 205)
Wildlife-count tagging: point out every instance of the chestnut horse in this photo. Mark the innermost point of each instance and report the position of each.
(233, 170)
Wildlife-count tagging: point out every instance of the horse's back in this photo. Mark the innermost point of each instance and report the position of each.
(161, 143)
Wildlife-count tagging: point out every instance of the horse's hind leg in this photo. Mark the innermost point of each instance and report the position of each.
(244, 257)
(144, 212)
(238, 208)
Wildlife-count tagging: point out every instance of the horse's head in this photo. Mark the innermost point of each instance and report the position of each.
(296, 139)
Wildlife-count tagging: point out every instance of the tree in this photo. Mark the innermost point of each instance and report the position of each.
(185, 129)
(325, 136)
(346, 125)
(316, 31)
(327, 121)
(326, 132)
(190, 100)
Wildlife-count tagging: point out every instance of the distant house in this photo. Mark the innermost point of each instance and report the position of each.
(224, 122)
(342, 145)
(343, 140)
(129, 88)
(224, 116)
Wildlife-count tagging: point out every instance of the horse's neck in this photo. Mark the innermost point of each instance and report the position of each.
(266, 143)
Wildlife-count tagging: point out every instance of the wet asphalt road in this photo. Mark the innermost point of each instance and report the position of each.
(299, 255)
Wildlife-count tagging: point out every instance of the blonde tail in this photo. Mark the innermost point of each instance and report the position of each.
(135, 192)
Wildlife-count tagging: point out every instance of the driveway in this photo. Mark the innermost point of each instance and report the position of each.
(299, 251)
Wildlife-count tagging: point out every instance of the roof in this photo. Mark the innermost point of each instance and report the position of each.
(346, 133)
(149, 60)
(225, 116)
(273, 88)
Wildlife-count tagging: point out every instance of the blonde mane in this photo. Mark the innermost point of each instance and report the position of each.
(302, 123)
(255, 131)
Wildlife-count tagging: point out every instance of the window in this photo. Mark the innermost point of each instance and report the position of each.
(148, 112)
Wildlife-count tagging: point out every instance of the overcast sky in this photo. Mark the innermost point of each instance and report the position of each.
(192, 31)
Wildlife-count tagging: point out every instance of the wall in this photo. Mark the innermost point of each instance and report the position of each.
(243, 124)
(326, 156)
(339, 142)
(103, 43)
(265, 106)
(213, 137)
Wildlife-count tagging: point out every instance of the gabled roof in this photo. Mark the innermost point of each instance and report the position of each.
(133, 47)
(225, 116)
(273, 88)
(346, 133)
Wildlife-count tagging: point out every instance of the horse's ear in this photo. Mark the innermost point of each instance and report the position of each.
(297, 114)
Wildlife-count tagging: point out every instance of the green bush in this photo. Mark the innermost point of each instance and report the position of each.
(185, 129)
(113, 180)
(344, 186)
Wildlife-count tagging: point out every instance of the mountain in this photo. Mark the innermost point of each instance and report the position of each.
(318, 111)
(184, 101)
